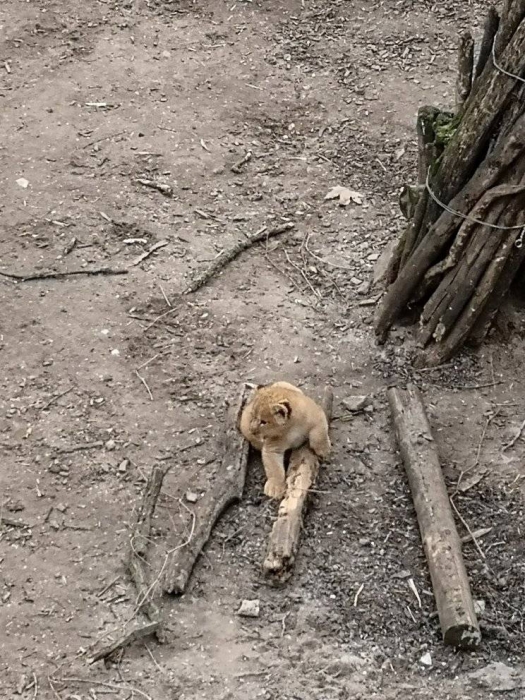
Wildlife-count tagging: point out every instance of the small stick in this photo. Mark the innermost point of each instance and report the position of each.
(436, 522)
(126, 640)
(67, 273)
(237, 167)
(154, 185)
(358, 593)
(515, 438)
(145, 384)
(55, 398)
(130, 688)
(227, 488)
(147, 253)
(77, 448)
(284, 538)
(228, 255)
(222, 260)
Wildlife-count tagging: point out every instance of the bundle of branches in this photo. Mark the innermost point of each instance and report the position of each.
(462, 246)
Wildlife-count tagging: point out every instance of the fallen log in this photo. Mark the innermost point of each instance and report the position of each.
(284, 538)
(226, 489)
(440, 538)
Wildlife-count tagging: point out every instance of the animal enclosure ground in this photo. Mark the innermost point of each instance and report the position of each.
(100, 101)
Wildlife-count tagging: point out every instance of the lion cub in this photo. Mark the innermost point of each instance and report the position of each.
(279, 418)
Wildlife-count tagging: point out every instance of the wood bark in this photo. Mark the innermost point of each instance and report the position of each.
(226, 489)
(284, 538)
(490, 28)
(440, 538)
(427, 253)
(465, 69)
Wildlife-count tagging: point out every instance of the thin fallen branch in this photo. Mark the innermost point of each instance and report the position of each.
(286, 531)
(228, 255)
(225, 490)
(138, 545)
(237, 167)
(66, 273)
(436, 522)
(124, 641)
(147, 253)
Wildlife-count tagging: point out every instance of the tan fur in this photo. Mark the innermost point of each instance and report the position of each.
(279, 418)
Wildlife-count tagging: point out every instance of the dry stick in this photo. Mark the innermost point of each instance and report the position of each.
(225, 490)
(67, 273)
(465, 69)
(228, 255)
(147, 253)
(113, 686)
(237, 167)
(428, 251)
(436, 522)
(137, 566)
(286, 531)
(133, 636)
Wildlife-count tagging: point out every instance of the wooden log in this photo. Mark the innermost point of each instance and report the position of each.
(284, 538)
(225, 490)
(443, 351)
(490, 28)
(428, 251)
(490, 312)
(440, 538)
(512, 15)
(483, 111)
(465, 69)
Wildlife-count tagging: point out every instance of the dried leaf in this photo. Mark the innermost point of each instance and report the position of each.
(345, 195)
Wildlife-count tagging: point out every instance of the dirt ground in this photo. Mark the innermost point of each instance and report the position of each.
(99, 95)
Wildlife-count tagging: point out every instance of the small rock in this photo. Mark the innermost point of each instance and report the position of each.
(426, 660)
(479, 607)
(123, 466)
(110, 445)
(354, 404)
(22, 182)
(191, 497)
(373, 257)
(249, 608)
(497, 677)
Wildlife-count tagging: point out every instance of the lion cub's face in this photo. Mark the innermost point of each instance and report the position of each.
(270, 418)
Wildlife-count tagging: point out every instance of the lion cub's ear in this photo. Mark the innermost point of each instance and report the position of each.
(282, 411)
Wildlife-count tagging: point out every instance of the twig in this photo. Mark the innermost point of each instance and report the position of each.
(413, 588)
(323, 260)
(67, 273)
(228, 255)
(164, 295)
(55, 398)
(126, 640)
(77, 448)
(224, 258)
(515, 438)
(102, 684)
(467, 527)
(226, 489)
(35, 686)
(358, 593)
(166, 190)
(104, 138)
(314, 291)
(145, 384)
(147, 253)
(236, 168)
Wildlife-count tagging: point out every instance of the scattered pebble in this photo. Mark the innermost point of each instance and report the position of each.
(249, 608)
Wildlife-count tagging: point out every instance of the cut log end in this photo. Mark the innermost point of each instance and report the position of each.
(462, 636)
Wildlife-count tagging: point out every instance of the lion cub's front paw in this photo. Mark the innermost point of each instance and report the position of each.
(274, 488)
(322, 448)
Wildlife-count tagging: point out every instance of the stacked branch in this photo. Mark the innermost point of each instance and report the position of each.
(462, 246)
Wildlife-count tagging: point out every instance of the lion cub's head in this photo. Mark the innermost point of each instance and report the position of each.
(270, 416)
